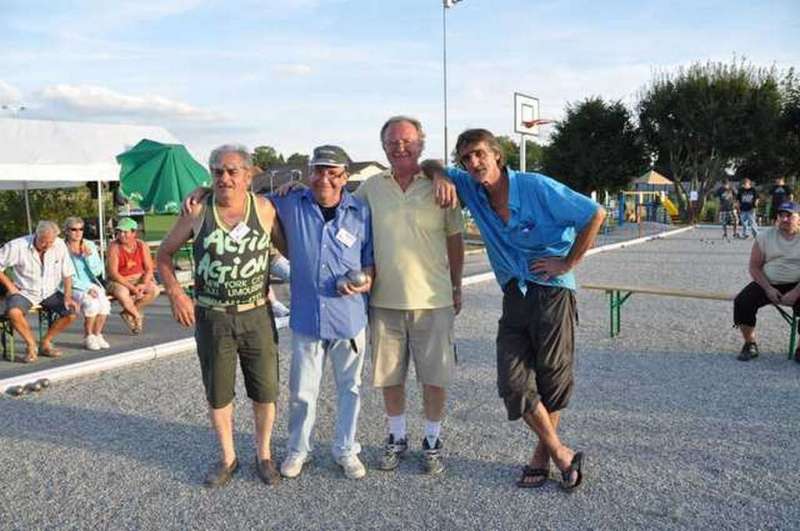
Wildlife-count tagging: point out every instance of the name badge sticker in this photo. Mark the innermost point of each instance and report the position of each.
(239, 231)
(345, 237)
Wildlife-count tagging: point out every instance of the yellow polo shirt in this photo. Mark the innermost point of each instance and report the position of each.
(409, 234)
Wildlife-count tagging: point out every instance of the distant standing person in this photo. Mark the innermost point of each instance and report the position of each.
(747, 199)
(774, 261)
(727, 209)
(779, 193)
(232, 231)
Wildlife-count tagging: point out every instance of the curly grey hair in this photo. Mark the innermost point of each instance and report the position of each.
(239, 149)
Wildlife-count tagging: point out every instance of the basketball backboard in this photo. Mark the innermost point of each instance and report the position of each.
(526, 114)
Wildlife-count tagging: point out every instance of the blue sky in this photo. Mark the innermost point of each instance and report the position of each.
(297, 73)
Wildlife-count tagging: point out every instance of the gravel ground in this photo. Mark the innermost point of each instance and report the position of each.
(677, 433)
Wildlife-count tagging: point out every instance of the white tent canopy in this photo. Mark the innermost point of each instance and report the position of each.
(50, 154)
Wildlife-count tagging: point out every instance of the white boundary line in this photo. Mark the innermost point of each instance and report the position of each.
(113, 361)
(187, 345)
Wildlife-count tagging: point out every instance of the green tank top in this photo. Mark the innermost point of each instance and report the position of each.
(231, 266)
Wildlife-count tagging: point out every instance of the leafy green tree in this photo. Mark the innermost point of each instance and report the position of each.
(709, 118)
(533, 153)
(266, 156)
(53, 204)
(297, 159)
(596, 147)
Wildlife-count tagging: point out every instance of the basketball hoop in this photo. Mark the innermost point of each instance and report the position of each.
(534, 123)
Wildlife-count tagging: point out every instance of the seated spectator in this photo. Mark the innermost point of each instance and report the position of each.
(773, 266)
(131, 274)
(41, 264)
(87, 290)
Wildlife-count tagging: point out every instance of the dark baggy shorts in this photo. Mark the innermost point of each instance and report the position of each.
(535, 348)
(54, 304)
(221, 337)
(753, 297)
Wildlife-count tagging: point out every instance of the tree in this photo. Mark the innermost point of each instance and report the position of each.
(596, 147)
(54, 204)
(533, 153)
(790, 124)
(710, 118)
(266, 156)
(297, 159)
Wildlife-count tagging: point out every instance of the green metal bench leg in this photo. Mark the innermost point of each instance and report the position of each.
(615, 302)
(611, 314)
(8, 340)
(792, 322)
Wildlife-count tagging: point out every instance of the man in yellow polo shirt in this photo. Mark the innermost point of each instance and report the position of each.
(419, 259)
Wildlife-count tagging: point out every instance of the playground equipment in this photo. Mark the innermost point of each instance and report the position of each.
(645, 206)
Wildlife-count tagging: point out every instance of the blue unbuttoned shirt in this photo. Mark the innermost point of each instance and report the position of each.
(545, 217)
(320, 253)
(87, 269)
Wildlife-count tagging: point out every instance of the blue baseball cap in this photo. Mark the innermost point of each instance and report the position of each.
(789, 206)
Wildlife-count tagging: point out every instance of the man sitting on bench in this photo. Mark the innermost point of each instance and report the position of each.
(776, 277)
(40, 263)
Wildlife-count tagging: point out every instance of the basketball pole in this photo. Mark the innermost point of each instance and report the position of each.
(445, 157)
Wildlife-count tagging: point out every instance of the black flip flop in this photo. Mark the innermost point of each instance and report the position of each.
(575, 466)
(530, 472)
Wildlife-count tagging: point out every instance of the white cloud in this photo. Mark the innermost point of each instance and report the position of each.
(9, 94)
(94, 100)
(292, 69)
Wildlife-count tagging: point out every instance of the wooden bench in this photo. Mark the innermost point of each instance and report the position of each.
(617, 295)
(46, 321)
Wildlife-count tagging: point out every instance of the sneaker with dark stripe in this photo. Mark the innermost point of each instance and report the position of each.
(432, 457)
(393, 451)
(749, 351)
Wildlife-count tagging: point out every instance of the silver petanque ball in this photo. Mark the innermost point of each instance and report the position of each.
(341, 283)
(356, 277)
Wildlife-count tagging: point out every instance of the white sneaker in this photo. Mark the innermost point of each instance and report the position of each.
(352, 466)
(280, 309)
(91, 343)
(292, 466)
(102, 341)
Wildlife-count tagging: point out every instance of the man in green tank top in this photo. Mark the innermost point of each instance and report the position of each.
(232, 231)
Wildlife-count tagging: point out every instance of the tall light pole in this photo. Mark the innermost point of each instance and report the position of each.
(446, 4)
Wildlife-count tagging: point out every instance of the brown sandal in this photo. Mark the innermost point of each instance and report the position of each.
(31, 356)
(50, 352)
(529, 472)
(130, 321)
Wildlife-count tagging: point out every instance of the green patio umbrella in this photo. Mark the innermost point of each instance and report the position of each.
(158, 176)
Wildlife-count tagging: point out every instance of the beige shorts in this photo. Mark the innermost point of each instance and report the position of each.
(425, 335)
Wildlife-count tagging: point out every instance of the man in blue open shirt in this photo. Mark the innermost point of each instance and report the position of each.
(328, 233)
(535, 231)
